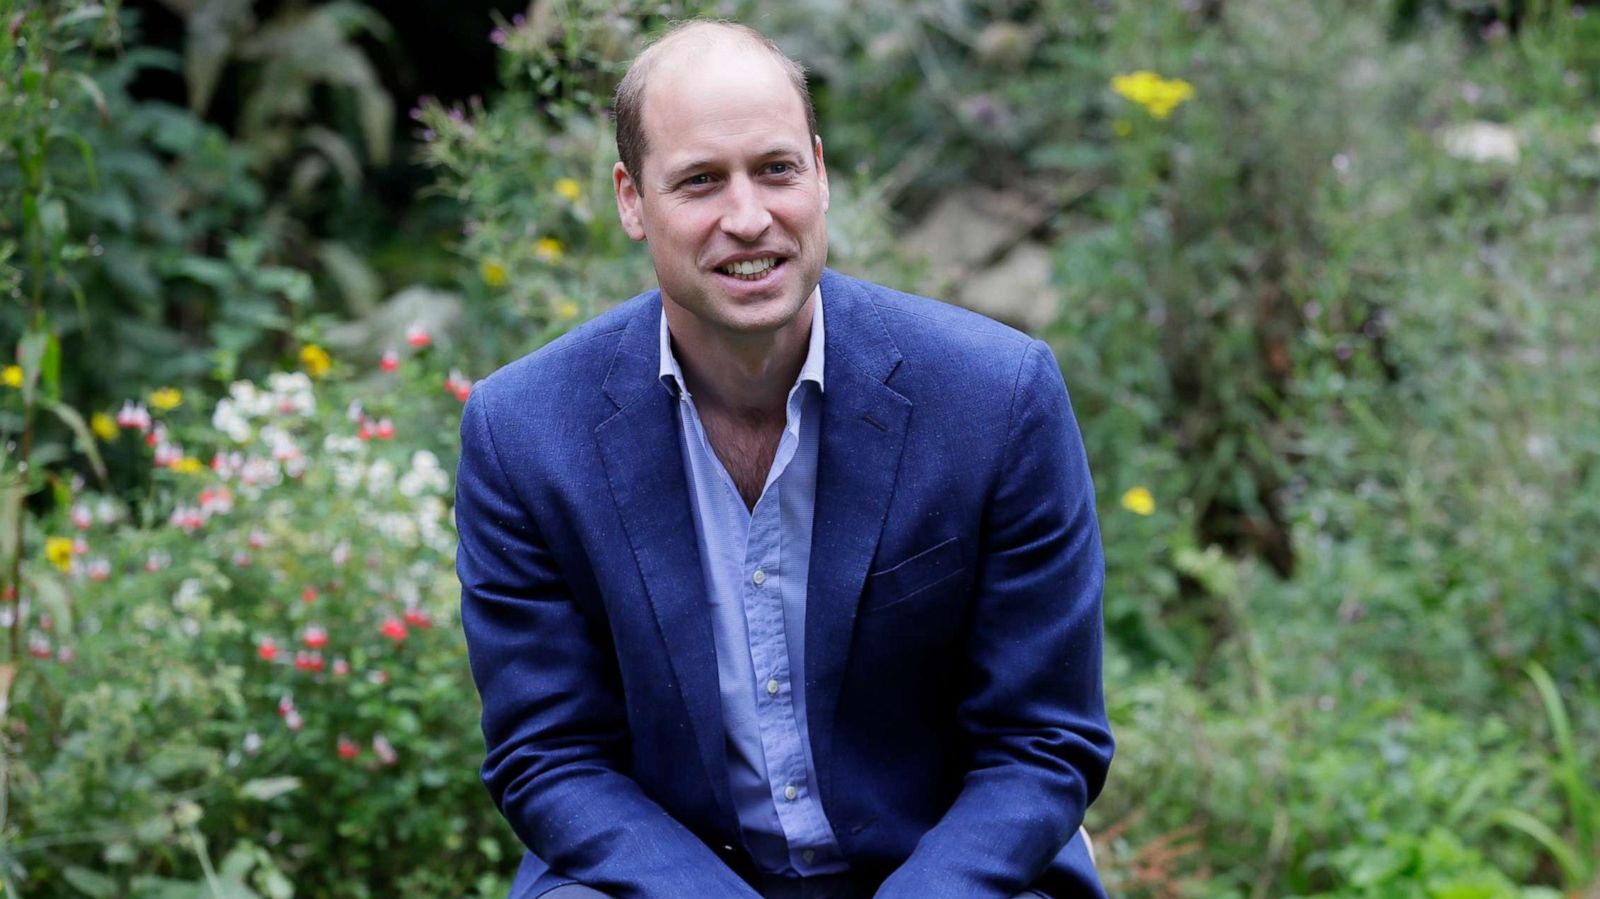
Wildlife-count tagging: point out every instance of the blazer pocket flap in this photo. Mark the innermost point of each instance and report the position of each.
(913, 575)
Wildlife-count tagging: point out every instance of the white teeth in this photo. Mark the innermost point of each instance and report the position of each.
(750, 266)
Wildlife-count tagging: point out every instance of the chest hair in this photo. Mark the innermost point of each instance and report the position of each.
(746, 447)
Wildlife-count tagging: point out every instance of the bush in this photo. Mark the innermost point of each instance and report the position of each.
(272, 667)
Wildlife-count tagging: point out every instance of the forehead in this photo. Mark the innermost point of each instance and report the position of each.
(717, 97)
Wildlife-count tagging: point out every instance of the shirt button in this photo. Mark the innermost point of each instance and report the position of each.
(760, 577)
(772, 687)
(809, 855)
(790, 793)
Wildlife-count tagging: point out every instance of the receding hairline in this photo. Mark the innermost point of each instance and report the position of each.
(670, 50)
(703, 33)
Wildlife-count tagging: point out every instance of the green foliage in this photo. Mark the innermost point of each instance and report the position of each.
(1579, 857)
(271, 667)
(1328, 324)
(142, 226)
(1431, 866)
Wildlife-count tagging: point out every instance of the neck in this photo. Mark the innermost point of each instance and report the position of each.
(745, 375)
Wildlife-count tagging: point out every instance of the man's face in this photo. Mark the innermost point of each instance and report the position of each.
(732, 194)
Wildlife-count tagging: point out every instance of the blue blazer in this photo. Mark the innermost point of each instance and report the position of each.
(953, 629)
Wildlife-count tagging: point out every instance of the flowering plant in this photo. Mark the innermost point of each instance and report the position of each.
(262, 654)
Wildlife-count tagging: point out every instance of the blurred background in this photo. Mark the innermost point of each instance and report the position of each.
(1322, 279)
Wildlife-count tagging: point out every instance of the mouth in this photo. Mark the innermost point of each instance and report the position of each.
(752, 270)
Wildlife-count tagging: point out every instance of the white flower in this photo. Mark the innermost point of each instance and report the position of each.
(1482, 142)
(399, 528)
(228, 419)
(189, 595)
(348, 475)
(380, 476)
(342, 444)
(107, 511)
(291, 393)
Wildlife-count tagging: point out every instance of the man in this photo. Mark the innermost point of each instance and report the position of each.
(777, 583)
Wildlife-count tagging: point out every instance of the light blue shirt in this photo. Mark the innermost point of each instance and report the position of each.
(755, 564)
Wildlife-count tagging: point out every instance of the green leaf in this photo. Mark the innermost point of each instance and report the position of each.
(85, 150)
(237, 863)
(212, 25)
(30, 355)
(356, 279)
(13, 489)
(118, 853)
(50, 368)
(266, 788)
(214, 274)
(51, 595)
(1572, 866)
(86, 439)
(89, 883)
(272, 881)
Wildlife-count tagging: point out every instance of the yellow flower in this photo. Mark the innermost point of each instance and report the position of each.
(166, 399)
(1159, 96)
(1122, 127)
(58, 552)
(188, 465)
(567, 310)
(549, 249)
(104, 426)
(568, 189)
(494, 274)
(12, 376)
(315, 360)
(1139, 501)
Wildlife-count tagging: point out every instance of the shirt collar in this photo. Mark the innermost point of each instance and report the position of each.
(810, 370)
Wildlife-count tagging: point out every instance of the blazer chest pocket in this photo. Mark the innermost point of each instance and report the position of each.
(913, 577)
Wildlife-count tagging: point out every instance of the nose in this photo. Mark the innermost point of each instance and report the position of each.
(746, 216)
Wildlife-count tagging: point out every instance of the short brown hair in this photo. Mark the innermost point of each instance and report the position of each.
(629, 105)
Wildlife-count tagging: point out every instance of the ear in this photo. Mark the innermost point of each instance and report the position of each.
(822, 169)
(628, 201)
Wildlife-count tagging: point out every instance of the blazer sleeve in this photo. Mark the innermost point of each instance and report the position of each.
(1032, 711)
(553, 717)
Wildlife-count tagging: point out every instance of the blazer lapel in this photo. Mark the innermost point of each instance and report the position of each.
(644, 464)
(864, 424)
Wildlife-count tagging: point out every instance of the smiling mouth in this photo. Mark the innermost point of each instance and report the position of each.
(751, 269)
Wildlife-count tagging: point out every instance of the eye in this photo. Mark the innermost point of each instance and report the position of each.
(700, 180)
(780, 168)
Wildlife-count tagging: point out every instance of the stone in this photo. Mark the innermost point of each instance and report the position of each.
(1019, 290)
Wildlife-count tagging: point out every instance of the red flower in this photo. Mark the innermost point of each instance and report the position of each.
(315, 637)
(267, 649)
(418, 618)
(348, 749)
(309, 594)
(394, 629)
(390, 360)
(340, 668)
(365, 431)
(385, 429)
(418, 336)
(308, 661)
(458, 384)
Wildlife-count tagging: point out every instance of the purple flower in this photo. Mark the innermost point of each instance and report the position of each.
(497, 37)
